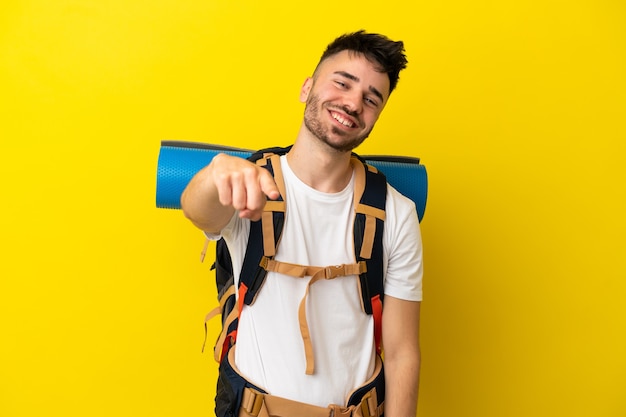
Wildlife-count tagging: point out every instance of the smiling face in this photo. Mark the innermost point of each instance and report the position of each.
(344, 99)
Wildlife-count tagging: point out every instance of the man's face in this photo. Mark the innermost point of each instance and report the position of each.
(344, 99)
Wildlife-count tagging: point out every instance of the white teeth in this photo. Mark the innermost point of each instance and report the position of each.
(341, 120)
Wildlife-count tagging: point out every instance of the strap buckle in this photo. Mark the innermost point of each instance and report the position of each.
(332, 272)
(263, 262)
(369, 404)
(365, 409)
(252, 401)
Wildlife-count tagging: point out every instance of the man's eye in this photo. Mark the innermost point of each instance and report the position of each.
(371, 101)
(340, 84)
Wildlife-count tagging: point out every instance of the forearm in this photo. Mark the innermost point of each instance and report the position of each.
(402, 383)
(402, 356)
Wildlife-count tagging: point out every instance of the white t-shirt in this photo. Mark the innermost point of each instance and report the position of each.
(318, 232)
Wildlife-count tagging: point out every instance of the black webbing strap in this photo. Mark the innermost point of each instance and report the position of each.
(374, 196)
(252, 274)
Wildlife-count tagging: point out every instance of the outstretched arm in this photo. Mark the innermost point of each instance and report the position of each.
(402, 356)
(227, 184)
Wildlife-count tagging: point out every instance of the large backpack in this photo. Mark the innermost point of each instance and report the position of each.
(370, 198)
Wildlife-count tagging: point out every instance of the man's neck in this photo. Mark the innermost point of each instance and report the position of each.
(318, 165)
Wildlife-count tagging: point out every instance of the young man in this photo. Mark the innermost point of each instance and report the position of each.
(344, 98)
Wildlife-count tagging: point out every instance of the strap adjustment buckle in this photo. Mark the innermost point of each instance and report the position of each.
(252, 401)
(334, 271)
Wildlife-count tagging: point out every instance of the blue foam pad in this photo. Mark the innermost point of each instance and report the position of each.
(179, 161)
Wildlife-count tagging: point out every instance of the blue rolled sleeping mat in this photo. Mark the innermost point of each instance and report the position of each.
(179, 161)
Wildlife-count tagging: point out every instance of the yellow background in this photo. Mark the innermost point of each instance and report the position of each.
(516, 109)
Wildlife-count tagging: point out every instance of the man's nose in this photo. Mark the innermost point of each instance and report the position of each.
(353, 104)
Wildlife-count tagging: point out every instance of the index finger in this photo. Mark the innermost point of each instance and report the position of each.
(268, 185)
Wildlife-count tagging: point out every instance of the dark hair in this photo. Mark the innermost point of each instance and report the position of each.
(378, 49)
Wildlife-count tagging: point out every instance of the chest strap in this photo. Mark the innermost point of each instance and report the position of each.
(316, 273)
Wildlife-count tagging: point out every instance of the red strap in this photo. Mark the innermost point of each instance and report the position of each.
(231, 337)
(377, 312)
(228, 342)
(243, 289)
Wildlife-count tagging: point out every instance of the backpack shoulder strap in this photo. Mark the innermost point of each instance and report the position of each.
(370, 198)
(265, 233)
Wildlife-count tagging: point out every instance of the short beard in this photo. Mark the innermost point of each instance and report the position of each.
(314, 125)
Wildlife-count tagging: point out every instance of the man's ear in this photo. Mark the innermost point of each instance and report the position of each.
(306, 88)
